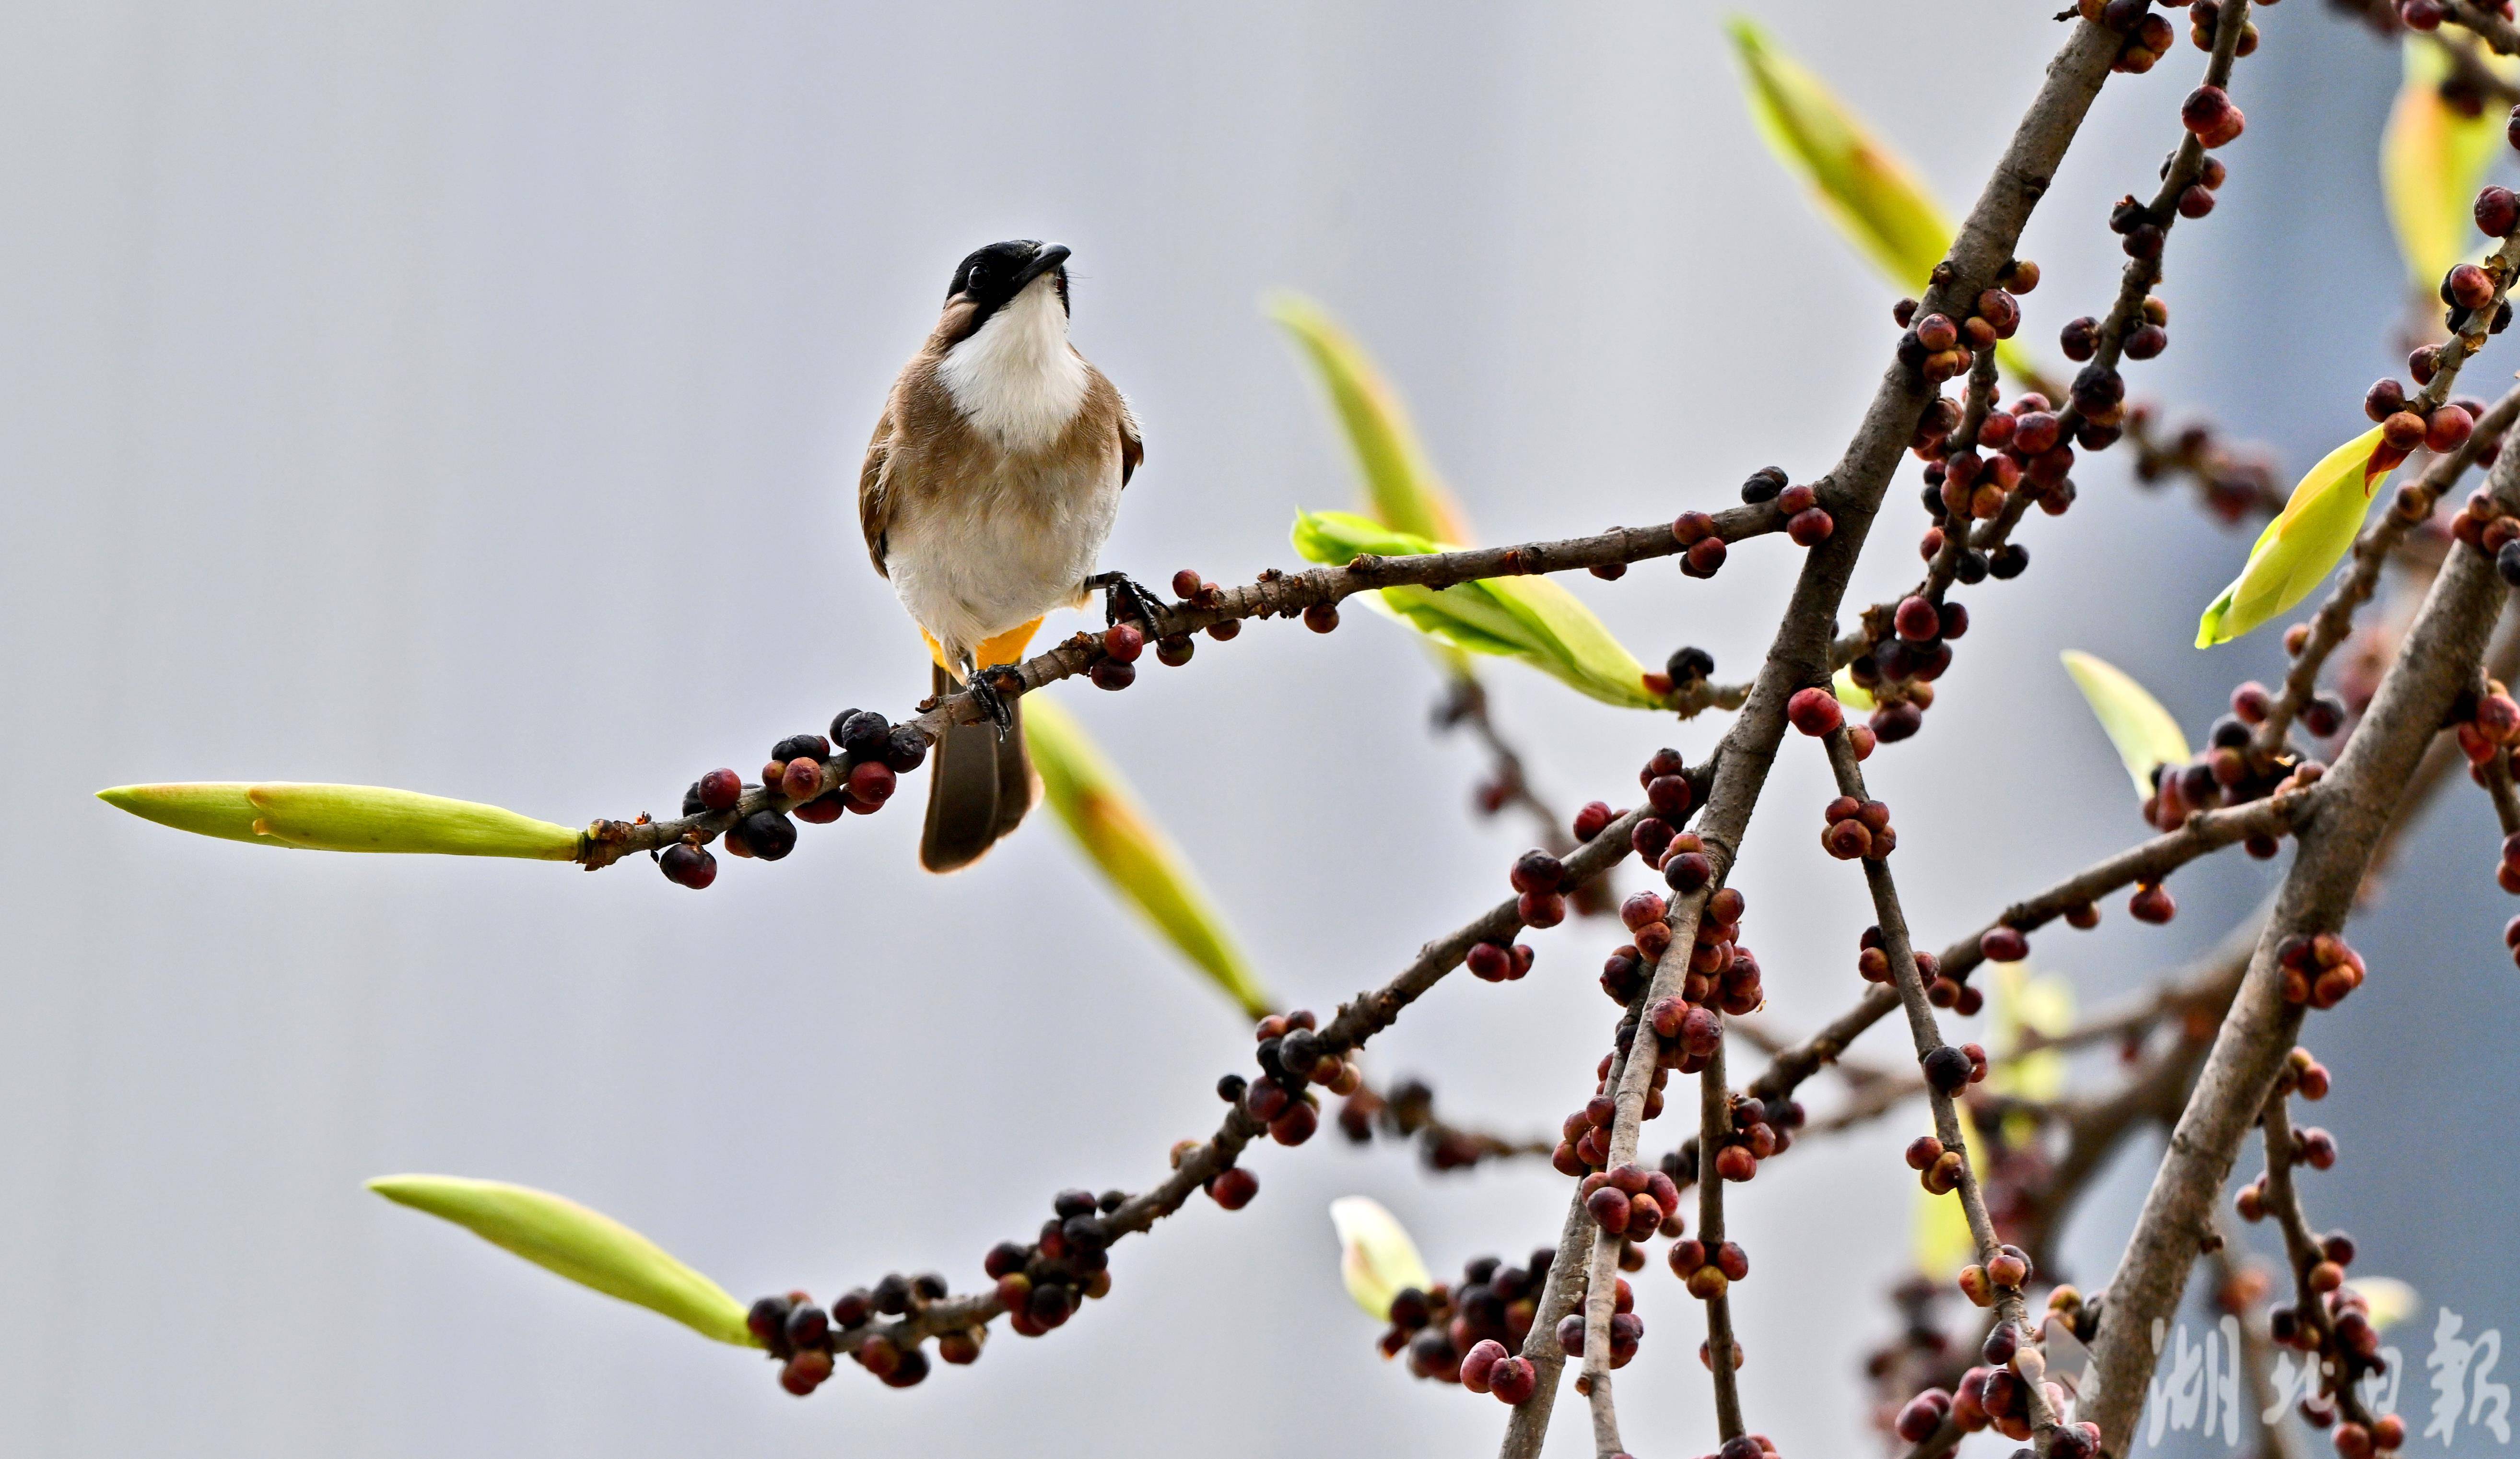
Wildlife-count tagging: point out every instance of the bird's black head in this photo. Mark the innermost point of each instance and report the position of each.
(993, 275)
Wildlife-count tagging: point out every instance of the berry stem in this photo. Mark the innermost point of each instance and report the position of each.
(1928, 1038)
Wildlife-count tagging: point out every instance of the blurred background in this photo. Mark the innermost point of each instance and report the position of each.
(469, 398)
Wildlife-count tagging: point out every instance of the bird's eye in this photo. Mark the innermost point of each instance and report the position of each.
(971, 281)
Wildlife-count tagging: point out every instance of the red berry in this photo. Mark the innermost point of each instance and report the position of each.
(2497, 212)
(1321, 617)
(1186, 583)
(1514, 1379)
(1814, 712)
(2469, 286)
(1124, 642)
(2207, 109)
(2003, 944)
(1809, 528)
(688, 865)
(2152, 904)
(1233, 1189)
(1541, 910)
(872, 784)
(721, 788)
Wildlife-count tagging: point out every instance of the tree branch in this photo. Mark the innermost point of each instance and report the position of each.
(1275, 593)
(2353, 806)
(1799, 653)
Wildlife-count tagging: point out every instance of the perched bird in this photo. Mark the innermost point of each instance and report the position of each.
(990, 486)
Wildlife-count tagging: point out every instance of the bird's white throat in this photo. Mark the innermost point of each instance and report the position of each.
(1015, 379)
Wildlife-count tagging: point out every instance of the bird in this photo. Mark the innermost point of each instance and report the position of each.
(988, 492)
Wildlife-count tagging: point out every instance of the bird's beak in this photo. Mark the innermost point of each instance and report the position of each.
(1051, 256)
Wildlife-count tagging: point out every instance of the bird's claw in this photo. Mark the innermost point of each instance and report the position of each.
(1124, 598)
(985, 694)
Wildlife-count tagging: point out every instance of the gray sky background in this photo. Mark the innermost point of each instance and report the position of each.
(468, 398)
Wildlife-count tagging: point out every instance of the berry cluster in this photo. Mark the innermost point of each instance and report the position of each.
(2148, 36)
(2009, 1269)
(800, 1335)
(1938, 348)
(1041, 1285)
(1627, 1332)
(1584, 1137)
(1909, 647)
(2405, 425)
(2024, 451)
(1857, 829)
(2483, 524)
(1760, 1129)
(856, 768)
(2233, 483)
(1634, 1203)
(1708, 1273)
(1123, 643)
(2487, 725)
(2204, 16)
(1408, 1113)
(1937, 1169)
(1997, 1396)
(1952, 1068)
(1723, 976)
(1291, 1059)
(1464, 1333)
(1807, 522)
(1872, 965)
(2226, 773)
(1536, 879)
(2330, 1322)
(2208, 113)
(2318, 970)
(1917, 1357)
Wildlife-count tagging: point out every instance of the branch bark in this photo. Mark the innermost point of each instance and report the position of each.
(2353, 806)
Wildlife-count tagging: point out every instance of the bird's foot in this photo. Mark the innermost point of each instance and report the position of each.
(1124, 598)
(985, 694)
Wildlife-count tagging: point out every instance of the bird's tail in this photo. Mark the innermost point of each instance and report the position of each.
(979, 785)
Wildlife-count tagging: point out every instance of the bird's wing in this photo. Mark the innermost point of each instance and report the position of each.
(1104, 397)
(874, 493)
(1133, 447)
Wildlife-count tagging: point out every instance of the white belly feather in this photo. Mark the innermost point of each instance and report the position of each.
(996, 555)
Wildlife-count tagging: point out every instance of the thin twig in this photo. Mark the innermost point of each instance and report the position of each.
(1275, 593)
(2009, 1303)
(2488, 28)
(2302, 1254)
